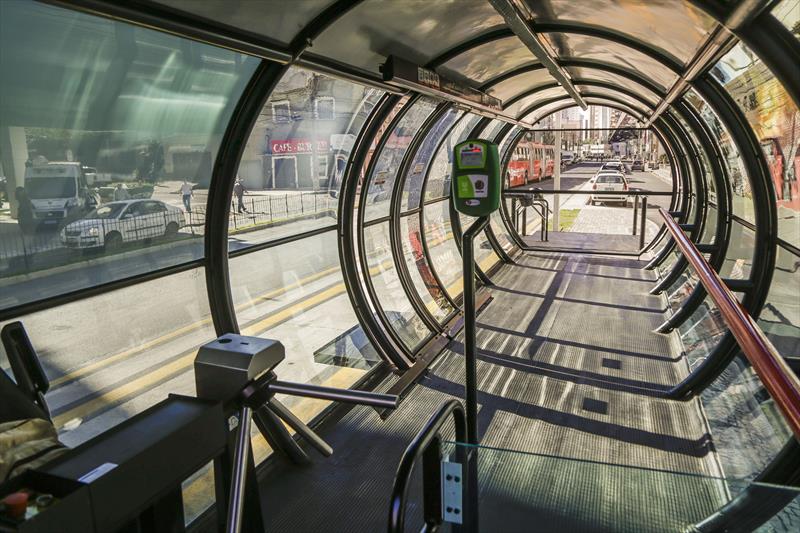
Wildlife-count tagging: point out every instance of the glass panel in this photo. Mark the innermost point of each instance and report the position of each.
(412, 187)
(443, 250)
(388, 289)
(282, 24)
(600, 91)
(507, 89)
(702, 331)
(519, 487)
(295, 293)
(776, 122)
(748, 429)
(737, 175)
(505, 144)
(780, 317)
(438, 183)
(499, 229)
(491, 131)
(568, 46)
(581, 73)
(108, 135)
(485, 257)
(421, 273)
(381, 181)
(706, 177)
(739, 258)
(676, 28)
(518, 107)
(544, 111)
(366, 34)
(788, 13)
(487, 61)
(292, 166)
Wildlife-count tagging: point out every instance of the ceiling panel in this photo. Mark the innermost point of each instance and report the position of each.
(509, 88)
(276, 19)
(574, 46)
(488, 60)
(581, 73)
(417, 30)
(671, 26)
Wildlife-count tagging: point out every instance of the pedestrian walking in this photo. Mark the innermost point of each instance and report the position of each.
(187, 193)
(121, 192)
(239, 190)
(24, 211)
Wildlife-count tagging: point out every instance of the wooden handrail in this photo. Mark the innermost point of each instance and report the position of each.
(775, 374)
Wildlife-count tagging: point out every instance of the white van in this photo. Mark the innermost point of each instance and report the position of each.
(58, 191)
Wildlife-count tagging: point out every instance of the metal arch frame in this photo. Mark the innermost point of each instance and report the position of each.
(220, 190)
(580, 28)
(423, 238)
(490, 236)
(680, 171)
(455, 219)
(399, 347)
(487, 37)
(765, 248)
(525, 113)
(663, 138)
(530, 92)
(722, 229)
(395, 237)
(771, 41)
(698, 195)
(348, 255)
(504, 215)
(688, 172)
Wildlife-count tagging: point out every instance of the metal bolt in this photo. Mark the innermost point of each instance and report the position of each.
(449, 509)
(448, 477)
(456, 511)
(457, 479)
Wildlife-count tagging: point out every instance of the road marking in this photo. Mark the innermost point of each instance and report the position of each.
(172, 369)
(71, 376)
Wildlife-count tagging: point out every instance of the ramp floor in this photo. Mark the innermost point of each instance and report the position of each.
(570, 378)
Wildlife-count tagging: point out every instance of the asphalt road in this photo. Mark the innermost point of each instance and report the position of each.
(117, 353)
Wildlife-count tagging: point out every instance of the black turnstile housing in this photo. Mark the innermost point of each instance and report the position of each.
(152, 453)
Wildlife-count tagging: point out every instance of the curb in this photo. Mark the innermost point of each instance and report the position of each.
(37, 274)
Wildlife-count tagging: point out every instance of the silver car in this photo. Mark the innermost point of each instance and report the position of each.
(115, 223)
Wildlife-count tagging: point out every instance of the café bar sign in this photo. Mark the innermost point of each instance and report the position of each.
(296, 146)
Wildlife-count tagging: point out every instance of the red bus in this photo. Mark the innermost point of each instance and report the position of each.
(530, 162)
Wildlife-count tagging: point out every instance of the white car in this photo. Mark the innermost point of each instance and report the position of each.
(115, 223)
(609, 181)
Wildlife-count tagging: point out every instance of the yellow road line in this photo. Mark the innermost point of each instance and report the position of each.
(185, 361)
(183, 330)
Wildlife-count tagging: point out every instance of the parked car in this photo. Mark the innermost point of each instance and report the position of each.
(637, 164)
(115, 223)
(609, 181)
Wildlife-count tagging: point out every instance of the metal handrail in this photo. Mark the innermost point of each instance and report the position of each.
(629, 192)
(427, 437)
(775, 374)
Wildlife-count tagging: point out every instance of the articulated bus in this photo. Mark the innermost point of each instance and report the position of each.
(530, 162)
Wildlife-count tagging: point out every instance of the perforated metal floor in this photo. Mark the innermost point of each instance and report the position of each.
(570, 376)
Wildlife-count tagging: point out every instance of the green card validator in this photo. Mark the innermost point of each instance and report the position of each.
(476, 177)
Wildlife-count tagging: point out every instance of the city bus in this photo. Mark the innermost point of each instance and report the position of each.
(530, 162)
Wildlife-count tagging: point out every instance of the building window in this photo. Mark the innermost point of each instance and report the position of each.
(324, 108)
(281, 111)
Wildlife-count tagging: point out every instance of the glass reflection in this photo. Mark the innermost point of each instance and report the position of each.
(108, 137)
(292, 167)
(737, 175)
(775, 120)
(381, 181)
(438, 183)
(388, 289)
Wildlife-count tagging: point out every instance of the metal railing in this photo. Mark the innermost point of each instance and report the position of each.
(774, 373)
(428, 445)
